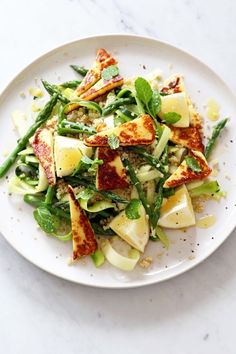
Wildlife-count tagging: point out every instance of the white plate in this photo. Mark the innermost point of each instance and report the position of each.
(137, 56)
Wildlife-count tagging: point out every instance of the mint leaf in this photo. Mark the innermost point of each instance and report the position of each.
(143, 90)
(87, 164)
(85, 194)
(110, 72)
(132, 209)
(154, 105)
(47, 222)
(171, 117)
(113, 142)
(193, 164)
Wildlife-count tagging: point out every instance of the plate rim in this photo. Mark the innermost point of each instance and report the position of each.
(140, 283)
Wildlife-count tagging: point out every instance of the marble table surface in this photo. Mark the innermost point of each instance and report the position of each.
(193, 313)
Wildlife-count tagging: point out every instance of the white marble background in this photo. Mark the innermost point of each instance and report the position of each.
(193, 313)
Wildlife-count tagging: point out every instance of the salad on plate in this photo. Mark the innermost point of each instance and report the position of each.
(111, 163)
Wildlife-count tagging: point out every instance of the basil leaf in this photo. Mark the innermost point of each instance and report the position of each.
(193, 164)
(85, 194)
(110, 72)
(47, 222)
(171, 117)
(87, 164)
(113, 142)
(143, 90)
(132, 209)
(154, 105)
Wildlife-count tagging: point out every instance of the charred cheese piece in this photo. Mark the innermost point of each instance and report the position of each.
(101, 87)
(42, 144)
(111, 174)
(175, 84)
(188, 137)
(139, 131)
(84, 241)
(103, 60)
(184, 174)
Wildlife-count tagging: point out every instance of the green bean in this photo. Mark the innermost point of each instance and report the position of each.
(135, 181)
(124, 92)
(71, 84)
(153, 161)
(215, 133)
(117, 103)
(79, 69)
(41, 118)
(53, 89)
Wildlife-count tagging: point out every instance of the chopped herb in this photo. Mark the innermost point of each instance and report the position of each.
(143, 89)
(113, 142)
(154, 105)
(193, 164)
(87, 164)
(132, 209)
(110, 72)
(47, 222)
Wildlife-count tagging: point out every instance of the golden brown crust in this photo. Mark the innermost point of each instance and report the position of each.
(84, 241)
(101, 87)
(109, 175)
(44, 152)
(103, 60)
(188, 137)
(185, 175)
(140, 131)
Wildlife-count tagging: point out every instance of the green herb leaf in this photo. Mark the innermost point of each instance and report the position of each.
(113, 142)
(154, 105)
(85, 194)
(110, 72)
(193, 164)
(47, 222)
(132, 209)
(171, 117)
(87, 164)
(143, 90)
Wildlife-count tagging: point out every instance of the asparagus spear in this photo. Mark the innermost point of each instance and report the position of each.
(216, 132)
(49, 195)
(79, 69)
(52, 89)
(135, 181)
(38, 201)
(67, 127)
(149, 158)
(41, 118)
(157, 204)
(71, 84)
(106, 194)
(117, 103)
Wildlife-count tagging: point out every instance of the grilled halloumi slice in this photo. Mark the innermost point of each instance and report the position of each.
(184, 174)
(84, 241)
(139, 131)
(42, 143)
(103, 60)
(134, 231)
(101, 87)
(175, 84)
(188, 137)
(111, 174)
